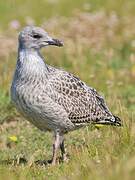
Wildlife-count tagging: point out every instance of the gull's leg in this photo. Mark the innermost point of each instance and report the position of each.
(63, 150)
(56, 146)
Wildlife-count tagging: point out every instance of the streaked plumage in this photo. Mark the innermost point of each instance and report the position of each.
(50, 98)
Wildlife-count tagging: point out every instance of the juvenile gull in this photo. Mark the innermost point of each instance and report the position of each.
(50, 98)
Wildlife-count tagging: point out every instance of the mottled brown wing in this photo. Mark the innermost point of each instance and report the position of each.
(82, 103)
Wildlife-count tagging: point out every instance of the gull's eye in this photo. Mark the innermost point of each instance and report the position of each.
(37, 36)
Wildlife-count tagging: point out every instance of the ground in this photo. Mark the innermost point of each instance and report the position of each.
(99, 47)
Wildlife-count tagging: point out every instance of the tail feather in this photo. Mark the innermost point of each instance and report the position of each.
(115, 122)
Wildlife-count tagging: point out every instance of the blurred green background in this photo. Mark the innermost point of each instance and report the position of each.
(99, 38)
(44, 9)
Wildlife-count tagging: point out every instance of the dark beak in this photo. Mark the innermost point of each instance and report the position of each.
(55, 42)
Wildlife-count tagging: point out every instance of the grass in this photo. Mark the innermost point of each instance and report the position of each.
(99, 48)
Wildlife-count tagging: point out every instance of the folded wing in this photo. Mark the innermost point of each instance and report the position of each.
(82, 103)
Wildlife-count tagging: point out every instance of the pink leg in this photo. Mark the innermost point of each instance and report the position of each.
(62, 147)
(56, 146)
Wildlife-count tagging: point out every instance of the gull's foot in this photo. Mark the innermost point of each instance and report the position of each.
(42, 162)
(65, 158)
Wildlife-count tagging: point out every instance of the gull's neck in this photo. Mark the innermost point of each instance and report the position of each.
(30, 61)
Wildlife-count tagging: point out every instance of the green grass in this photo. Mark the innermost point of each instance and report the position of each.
(99, 48)
(42, 9)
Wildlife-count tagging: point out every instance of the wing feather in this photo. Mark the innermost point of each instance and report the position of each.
(82, 103)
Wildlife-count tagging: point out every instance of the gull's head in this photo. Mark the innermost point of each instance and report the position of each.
(32, 37)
